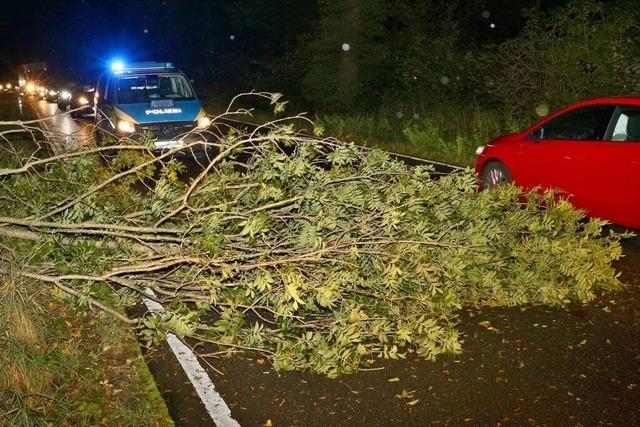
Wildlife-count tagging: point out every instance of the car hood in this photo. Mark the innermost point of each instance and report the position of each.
(507, 138)
(176, 111)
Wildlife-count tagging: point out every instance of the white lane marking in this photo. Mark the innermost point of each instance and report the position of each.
(213, 402)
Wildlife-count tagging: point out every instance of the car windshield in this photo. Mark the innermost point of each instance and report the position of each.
(153, 87)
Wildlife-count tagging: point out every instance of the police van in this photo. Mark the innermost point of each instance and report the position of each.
(149, 97)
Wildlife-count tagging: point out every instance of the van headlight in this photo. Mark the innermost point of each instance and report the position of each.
(203, 122)
(480, 150)
(126, 127)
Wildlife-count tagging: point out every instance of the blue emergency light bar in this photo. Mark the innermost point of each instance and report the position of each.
(118, 67)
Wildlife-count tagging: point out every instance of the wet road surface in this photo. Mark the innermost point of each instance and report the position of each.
(534, 366)
(66, 133)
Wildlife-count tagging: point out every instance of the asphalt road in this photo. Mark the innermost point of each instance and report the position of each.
(532, 366)
(67, 134)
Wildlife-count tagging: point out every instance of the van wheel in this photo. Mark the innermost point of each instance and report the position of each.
(494, 173)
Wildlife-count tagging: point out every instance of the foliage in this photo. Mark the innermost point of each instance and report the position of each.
(318, 254)
(449, 134)
(433, 63)
(346, 53)
(583, 50)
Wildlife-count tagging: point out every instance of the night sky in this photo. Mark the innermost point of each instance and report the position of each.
(85, 34)
(81, 36)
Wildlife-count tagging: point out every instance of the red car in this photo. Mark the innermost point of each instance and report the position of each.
(589, 150)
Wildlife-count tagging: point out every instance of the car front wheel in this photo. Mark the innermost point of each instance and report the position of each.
(495, 173)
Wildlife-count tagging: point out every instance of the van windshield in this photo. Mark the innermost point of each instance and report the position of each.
(153, 87)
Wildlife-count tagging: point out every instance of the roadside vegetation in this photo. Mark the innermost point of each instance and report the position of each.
(397, 76)
(316, 254)
(448, 135)
(62, 363)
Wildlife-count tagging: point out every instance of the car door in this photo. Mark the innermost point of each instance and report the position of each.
(561, 153)
(614, 176)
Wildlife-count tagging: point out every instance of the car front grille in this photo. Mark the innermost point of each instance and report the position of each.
(168, 130)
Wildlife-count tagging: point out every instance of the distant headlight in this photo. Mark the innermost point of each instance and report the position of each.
(203, 122)
(65, 94)
(52, 92)
(83, 101)
(126, 127)
(480, 150)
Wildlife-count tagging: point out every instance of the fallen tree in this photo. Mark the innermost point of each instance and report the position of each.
(318, 254)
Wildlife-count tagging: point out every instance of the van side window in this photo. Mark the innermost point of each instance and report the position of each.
(111, 91)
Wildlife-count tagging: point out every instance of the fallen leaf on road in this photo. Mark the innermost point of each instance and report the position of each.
(393, 380)
(406, 394)
(487, 325)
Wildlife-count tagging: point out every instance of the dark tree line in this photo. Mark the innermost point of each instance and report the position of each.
(349, 55)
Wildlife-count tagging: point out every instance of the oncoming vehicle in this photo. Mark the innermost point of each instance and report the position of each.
(149, 97)
(590, 151)
(41, 92)
(79, 99)
(53, 95)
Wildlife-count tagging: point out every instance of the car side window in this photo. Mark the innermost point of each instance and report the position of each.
(626, 125)
(581, 124)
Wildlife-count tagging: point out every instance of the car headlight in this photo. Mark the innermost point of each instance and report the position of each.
(52, 92)
(126, 127)
(480, 150)
(65, 94)
(203, 122)
(83, 100)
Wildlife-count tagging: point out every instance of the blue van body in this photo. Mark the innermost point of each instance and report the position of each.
(150, 97)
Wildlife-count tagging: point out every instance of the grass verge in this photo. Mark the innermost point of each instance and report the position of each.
(61, 365)
(449, 134)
